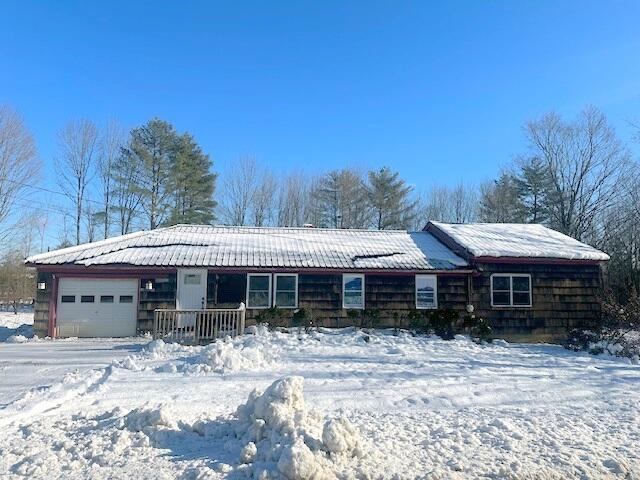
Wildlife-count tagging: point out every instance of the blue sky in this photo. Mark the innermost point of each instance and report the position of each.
(438, 91)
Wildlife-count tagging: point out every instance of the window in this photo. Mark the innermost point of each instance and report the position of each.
(286, 290)
(258, 290)
(426, 291)
(87, 299)
(126, 298)
(352, 291)
(106, 298)
(192, 279)
(68, 298)
(510, 290)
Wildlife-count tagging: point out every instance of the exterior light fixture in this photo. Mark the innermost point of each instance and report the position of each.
(470, 308)
(148, 285)
(42, 286)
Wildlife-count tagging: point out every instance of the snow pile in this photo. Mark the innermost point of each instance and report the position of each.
(272, 435)
(248, 352)
(20, 339)
(143, 420)
(228, 356)
(160, 350)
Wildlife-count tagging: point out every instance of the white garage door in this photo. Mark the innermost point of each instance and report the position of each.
(97, 307)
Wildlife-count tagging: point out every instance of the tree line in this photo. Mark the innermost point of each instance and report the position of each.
(574, 175)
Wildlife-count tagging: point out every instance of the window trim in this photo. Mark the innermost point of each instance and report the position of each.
(358, 275)
(270, 296)
(435, 292)
(275, 289)
(510, 276)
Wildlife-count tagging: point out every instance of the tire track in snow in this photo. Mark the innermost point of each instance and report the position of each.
(67, 389)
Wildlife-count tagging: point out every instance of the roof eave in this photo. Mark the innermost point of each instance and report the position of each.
(538, 260)
(128, 268)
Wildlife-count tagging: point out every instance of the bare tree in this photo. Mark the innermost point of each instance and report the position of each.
(16, 281)
(293, 205)
(238, 191)
(263, 199)
(458, 204)
(75, 165)
(19, 164)
(41, 225)
(585, 161)
(111, 144)
(90, 222)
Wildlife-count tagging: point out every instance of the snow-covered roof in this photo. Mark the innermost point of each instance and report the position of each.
(253, 247)
(516, 240)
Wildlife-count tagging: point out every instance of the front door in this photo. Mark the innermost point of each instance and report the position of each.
(192, 289)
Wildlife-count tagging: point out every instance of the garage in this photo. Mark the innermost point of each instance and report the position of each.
(97, 307)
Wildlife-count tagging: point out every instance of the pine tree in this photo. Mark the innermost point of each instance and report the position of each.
(151, 147)
(192, 184)
(341, 199)
(389, 198)
(126, 191)
(500, 201)
(533, 184)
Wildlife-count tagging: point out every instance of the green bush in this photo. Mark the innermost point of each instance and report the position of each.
(444, 323)
(303, 318)
(355, 317)
(274, 317)
(418, 321)
(370, 318)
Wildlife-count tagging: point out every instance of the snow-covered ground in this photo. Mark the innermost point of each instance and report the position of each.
(352, 406)
(16, 325)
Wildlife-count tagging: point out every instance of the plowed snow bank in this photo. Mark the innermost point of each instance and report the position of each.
(273, 435)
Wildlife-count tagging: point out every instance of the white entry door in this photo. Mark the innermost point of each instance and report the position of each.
(192, 289)
(97, 307)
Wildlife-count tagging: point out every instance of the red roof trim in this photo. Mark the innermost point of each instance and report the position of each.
(143, 271)
(535, 260)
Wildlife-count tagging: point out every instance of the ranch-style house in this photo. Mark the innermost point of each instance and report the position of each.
(526, 281)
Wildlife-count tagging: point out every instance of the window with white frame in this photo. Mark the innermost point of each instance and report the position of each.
(352, 290)
(285, 290)
(426, 291)
(510, 290)
(258, 290)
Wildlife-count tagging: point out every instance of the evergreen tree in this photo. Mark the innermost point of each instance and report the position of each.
(500, 201)
(151, 148)
(533, 183)
(192, 184)
(389, 198)
(126, 191)
(341, 199)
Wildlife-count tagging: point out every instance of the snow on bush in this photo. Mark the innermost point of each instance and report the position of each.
(272, 435)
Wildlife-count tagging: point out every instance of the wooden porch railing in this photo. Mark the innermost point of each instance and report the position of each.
(198, 326)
